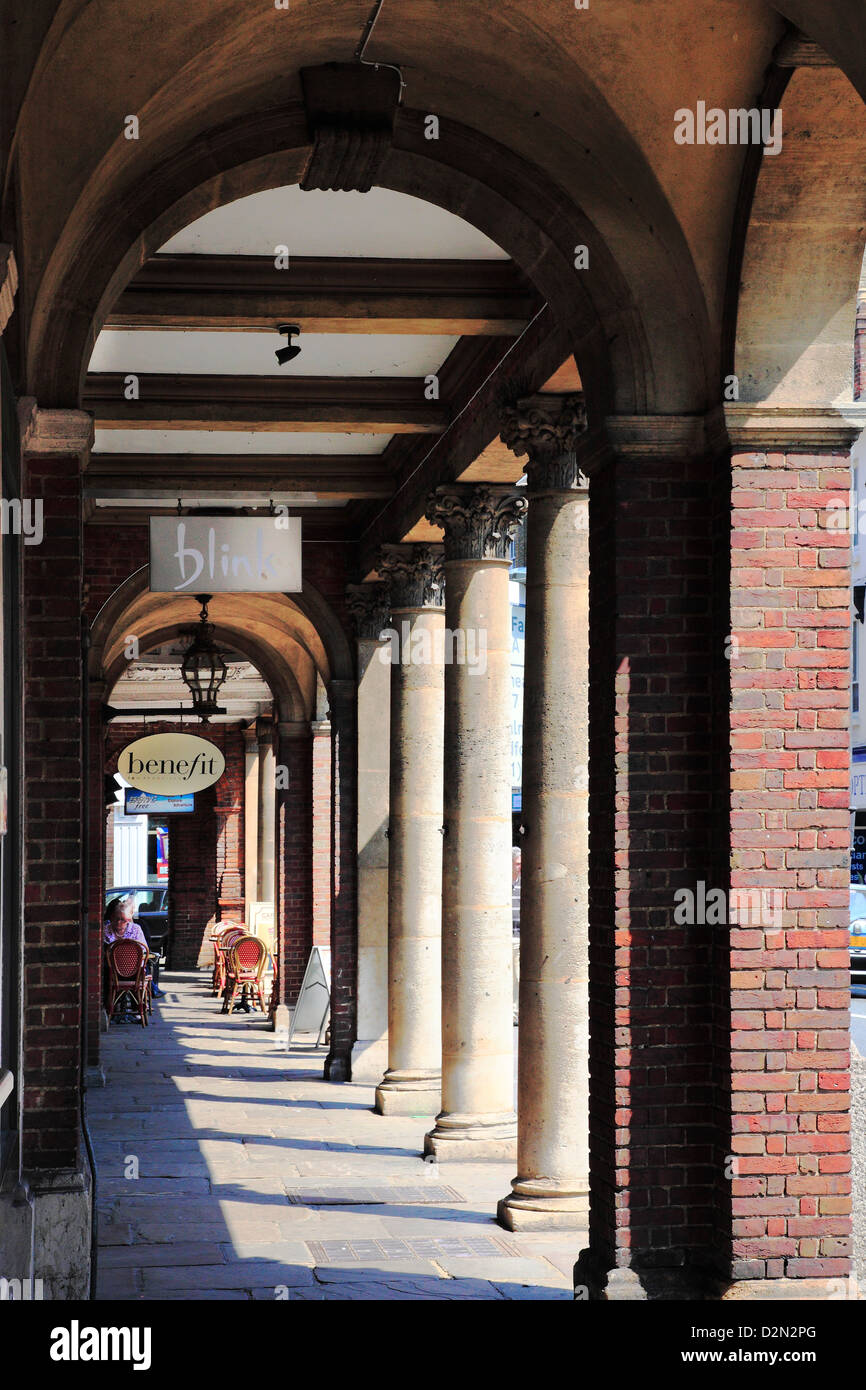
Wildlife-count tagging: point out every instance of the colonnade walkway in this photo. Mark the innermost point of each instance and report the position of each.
(230, 1170)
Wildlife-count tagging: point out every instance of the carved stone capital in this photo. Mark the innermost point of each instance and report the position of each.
(414, 575)
(478, 521)
(547, 430)
(369, 607)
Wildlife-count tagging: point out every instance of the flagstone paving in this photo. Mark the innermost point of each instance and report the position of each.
(213, 1146)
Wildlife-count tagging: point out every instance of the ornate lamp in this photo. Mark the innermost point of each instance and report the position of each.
(204, 668)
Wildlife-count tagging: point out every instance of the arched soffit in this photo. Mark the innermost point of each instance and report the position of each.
(301, 630)
(293, 689)
(804, 248)
(574, 161)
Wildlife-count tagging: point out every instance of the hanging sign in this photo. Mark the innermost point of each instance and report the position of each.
(225, 555)
(171, 764)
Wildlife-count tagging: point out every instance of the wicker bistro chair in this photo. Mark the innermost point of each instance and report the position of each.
(246, 961)
(127, 975)
(221, 942)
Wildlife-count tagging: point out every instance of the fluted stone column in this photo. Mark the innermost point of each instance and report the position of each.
(477, 1118)
(368, 605)
(552, 1183)
(412, 1083)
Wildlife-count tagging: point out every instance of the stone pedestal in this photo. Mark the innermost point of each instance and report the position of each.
(411, 1085)
(551, 1189)
(477, 1119)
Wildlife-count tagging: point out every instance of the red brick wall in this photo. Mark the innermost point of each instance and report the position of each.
(294, 915)
(652, 659)
(790, 833)
(52, 578)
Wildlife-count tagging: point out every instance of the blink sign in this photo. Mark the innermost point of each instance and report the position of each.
(232, 555)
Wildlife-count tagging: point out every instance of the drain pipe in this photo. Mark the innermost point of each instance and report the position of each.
(85, 953)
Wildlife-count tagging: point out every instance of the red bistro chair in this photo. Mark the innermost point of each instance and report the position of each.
(221, 941)
(246, 960)
(127, 974)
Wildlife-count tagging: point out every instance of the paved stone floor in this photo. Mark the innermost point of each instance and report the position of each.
(248, 1168)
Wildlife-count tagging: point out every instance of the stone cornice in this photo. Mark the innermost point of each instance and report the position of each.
(8, 284)
(369, 606)
(478, 520)
(798, 428)
(414, 576)
(65, 433)
(651, 436)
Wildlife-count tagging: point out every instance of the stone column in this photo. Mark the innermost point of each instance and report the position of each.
(552, 1183)
(267, 809)
(412, 1083)
(477, 1118)
(368, 604)
(251, 816)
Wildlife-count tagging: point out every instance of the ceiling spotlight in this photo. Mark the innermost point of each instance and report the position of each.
(285, 354)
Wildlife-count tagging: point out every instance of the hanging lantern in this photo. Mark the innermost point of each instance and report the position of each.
(204, 668)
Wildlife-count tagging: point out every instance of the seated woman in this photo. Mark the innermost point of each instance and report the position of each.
(119, 926)
(136, 932)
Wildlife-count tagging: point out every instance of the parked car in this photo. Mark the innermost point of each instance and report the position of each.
(151, 911)
(858, 938)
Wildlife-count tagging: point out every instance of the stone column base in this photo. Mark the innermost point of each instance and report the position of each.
(784, 1290)
(369, 1059)
(526, 1209)
(594, 1283)
(281, 1020)
(338, 1068)
(472, 1137)
(409, 1093)
(59, 1208)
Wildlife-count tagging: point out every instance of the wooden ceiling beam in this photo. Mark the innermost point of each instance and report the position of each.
(327, 295)
(336, 476)
(372, 405)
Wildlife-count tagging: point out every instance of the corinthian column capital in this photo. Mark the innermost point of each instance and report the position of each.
(547, 430)
(478, 521)
(369, 608)
(414, 574)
